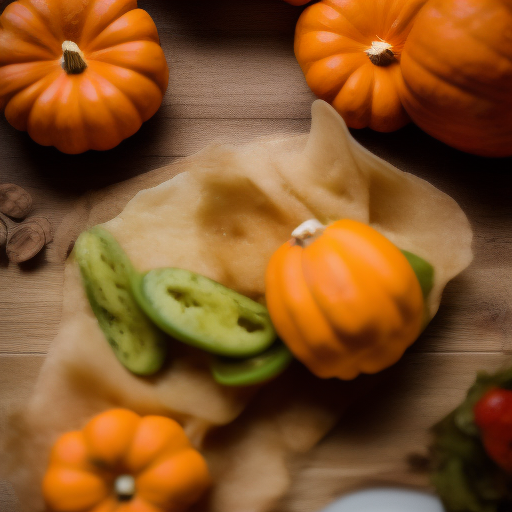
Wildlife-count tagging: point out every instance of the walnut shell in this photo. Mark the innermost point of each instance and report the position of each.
(14, 201)
(3, 233)
(25, 241)
(45, 225)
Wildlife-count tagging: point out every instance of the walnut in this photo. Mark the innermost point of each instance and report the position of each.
(14, 201)
(23, 240)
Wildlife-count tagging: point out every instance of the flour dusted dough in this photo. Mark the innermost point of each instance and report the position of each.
(223, 213)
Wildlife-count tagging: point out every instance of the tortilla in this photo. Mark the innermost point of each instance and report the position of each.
(222, 213)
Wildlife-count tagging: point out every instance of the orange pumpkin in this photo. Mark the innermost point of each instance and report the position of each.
(343, 298)
(121, 462)
(79, 74)
(457, 68)
(349, 51)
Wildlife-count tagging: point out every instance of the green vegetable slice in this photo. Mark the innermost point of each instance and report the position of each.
(107, 275)
(204, 313)
(253, 370)
(424, 272)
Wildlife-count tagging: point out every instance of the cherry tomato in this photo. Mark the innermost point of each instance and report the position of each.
(493, 415)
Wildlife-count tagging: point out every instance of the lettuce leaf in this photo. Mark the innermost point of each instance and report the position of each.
(466, 479)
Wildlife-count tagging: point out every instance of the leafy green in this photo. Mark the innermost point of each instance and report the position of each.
(466, 479)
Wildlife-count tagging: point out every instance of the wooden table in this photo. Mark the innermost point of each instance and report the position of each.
(233, 77)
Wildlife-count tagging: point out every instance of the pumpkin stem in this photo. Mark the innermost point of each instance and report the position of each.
(307, 231)
(380, 53)
(124, 487)
(73, 61)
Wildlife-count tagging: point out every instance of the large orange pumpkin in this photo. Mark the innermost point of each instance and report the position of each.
(121, 462)
(343, 298)
(79, 74)
(349, 51)
(457, 68)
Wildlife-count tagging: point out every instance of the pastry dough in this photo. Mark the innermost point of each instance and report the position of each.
(221, 213)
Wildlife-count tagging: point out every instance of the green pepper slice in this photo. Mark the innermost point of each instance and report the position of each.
(253, 370)
(424, 272)
(201, 312)
(107, 275)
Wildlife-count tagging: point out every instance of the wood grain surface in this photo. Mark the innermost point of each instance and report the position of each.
(233, 77)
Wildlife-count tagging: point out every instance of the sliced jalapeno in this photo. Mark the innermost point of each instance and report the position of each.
(253, 370)
(204, 313)
(424, 272)
(107, 275)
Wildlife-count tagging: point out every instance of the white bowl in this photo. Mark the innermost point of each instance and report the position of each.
(386, 500)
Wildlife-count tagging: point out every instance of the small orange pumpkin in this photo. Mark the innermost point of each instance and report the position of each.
(79, 74)
(121, 462)
(349, 51)
(343, 298)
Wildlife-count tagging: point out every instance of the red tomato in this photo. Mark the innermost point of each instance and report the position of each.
(493, 415)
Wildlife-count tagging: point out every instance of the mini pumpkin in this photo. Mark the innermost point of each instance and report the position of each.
(343, 298)
(349, 51)
(457, 69)
(79, 74)
(122, 462)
